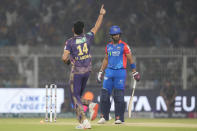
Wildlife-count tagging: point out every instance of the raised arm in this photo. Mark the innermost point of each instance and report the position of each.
(99, 20)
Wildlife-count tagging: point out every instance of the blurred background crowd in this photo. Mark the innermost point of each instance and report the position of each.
(144, 23)
(46, 24)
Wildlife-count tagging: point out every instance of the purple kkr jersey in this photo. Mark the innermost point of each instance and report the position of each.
(79, 47)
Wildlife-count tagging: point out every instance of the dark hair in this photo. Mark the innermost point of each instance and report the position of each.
(78, 27)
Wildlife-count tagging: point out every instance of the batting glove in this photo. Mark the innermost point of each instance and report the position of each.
(99, 77)
(136, 76)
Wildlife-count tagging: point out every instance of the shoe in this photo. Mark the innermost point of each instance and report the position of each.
(102, 121)
(118, 122)
(80, 126)
(85, 125)
(93, 109)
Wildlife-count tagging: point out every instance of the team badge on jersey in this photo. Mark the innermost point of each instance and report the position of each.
(110, 48)
(119, 48)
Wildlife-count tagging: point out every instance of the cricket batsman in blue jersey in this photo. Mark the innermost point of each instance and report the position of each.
(77, 52)
(114, 65)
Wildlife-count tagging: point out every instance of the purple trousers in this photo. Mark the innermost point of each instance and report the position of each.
(77, 86)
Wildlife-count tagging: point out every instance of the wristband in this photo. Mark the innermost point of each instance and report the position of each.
(133, 66)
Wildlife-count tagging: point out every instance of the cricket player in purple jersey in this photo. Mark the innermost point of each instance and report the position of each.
(77, 51)
(114, 65)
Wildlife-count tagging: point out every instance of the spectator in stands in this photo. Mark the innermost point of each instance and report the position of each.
(148, 23)
(67, 106)
(168, 92)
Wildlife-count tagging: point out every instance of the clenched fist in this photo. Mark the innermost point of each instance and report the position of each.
(102, 11)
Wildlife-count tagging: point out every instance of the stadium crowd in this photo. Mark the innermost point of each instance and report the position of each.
(144, 23)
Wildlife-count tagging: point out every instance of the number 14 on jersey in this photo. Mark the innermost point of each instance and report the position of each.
(82, 49)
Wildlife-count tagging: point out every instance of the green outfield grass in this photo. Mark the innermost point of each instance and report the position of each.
(19, 124)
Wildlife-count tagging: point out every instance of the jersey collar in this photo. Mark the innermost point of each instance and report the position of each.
(120, 41)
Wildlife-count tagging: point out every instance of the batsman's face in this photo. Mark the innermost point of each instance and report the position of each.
(116, 37)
